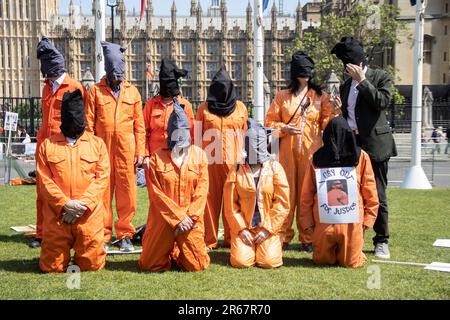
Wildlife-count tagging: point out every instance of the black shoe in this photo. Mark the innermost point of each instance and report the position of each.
(137, 238)
(125, 245)
(285, 246)
(36, 243)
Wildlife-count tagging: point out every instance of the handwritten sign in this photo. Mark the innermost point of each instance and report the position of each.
(337, 194)
(11, 120)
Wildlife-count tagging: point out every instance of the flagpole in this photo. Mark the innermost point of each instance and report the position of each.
(415, 177)
(258, 63)
(99, 36)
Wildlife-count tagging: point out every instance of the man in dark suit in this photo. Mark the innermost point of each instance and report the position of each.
(364, 98)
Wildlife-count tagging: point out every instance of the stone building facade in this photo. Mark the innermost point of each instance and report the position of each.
(200, 42)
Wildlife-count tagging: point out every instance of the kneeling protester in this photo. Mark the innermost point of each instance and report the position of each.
(256, 204)
(178, 191)
(74, 169)
(339, 198)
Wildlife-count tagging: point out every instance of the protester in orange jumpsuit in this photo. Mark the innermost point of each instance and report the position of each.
(56, 84)
(178, 187)
(256, 203)
(114, 113)
(299, 114)
(339, 243)
(74, 170)
(221, 122)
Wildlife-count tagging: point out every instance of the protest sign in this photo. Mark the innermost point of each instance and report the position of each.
(337, 193)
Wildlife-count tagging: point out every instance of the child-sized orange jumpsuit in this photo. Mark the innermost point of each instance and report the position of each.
(222, 140)
(340, 243)
(176, 193)
(295, 156)
(272, 198)
(51, 120)
(121, 125)
(79, 172)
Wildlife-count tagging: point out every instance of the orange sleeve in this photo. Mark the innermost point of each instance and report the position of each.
(198, 127)
(51, 192)
(139, 127)
(231, 206)
(327, 110)
(368, 191)
(280, 207)
(146, 113)
(308, 194)
(169, 210)
(90, 110)
(273, 116)
(198, 199)
(94, 193)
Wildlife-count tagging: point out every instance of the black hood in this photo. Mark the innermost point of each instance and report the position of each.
(302, 66)
(221, 94)
(339, 146)
(73, 118)
(169, 74)
(349, 50)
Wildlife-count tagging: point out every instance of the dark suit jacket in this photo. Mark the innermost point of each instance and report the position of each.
(370, 113)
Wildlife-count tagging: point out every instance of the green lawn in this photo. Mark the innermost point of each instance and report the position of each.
(417, 219)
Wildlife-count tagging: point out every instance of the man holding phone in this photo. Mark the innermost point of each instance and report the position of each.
(365, 96)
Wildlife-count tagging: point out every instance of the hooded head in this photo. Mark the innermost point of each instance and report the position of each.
(168, 78)
(256, 143)
(339, 146)
(114, 61)
(73, 117)
(52, 61)
(302, 66)
(178, 128)
(221, 94)
(349, 50)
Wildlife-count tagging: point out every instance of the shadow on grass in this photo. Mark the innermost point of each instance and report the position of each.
(220, 257)
(126, 265)
(20, 266)
(19, 238)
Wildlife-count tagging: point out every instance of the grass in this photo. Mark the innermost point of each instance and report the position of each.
(417, 219)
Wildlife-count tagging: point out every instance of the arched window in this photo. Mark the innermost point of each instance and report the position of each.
(427, 48)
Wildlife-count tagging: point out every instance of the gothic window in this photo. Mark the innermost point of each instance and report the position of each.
(20, 9)
(236, 71)
(136, 71)
(236, 48)
(211, 69)
(427, 48)
(186, 48)
(137, 48)
(7, 8)
(86, 47)
(187, 92)
(84, 65)
(187, 66)
(285, 71)
(162, 49)
(211, 48)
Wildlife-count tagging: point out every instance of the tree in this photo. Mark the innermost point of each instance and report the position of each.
(375, 26)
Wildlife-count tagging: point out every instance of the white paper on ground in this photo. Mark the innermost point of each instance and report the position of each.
(24, 229)
(439, 266)
(122, 252)
(442, 243)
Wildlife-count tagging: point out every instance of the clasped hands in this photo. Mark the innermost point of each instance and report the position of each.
(248, 239)
(73, 210)
(186, 225)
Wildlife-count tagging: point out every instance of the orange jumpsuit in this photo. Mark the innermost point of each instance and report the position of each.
(295, 160)
(176, 193)
(121, 125)
(240, 198)
(79, 172)
(51, 120)
(340, 243)
(222, 140)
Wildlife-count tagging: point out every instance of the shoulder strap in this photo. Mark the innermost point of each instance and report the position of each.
(298, 107)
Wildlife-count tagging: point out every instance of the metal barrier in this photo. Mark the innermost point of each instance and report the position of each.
(29, 110)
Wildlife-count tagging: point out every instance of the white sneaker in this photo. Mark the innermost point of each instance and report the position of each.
(382, 251)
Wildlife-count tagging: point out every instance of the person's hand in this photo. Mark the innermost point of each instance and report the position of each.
(337, 102)
(356, 72)
(69, 218)
(288, 129)
(261, 236)
(146, 163)
(138, 161)
(246, 237)
(184, 226)
(75, 207)
(310, 229)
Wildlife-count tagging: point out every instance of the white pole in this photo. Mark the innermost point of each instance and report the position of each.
(258, 64)
(99, 36)
(415, 177)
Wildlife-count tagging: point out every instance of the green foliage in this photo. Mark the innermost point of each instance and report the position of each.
(375, 26)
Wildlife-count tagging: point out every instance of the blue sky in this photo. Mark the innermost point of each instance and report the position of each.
(162, 7)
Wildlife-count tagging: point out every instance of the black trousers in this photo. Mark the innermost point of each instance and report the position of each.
(381, 226)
